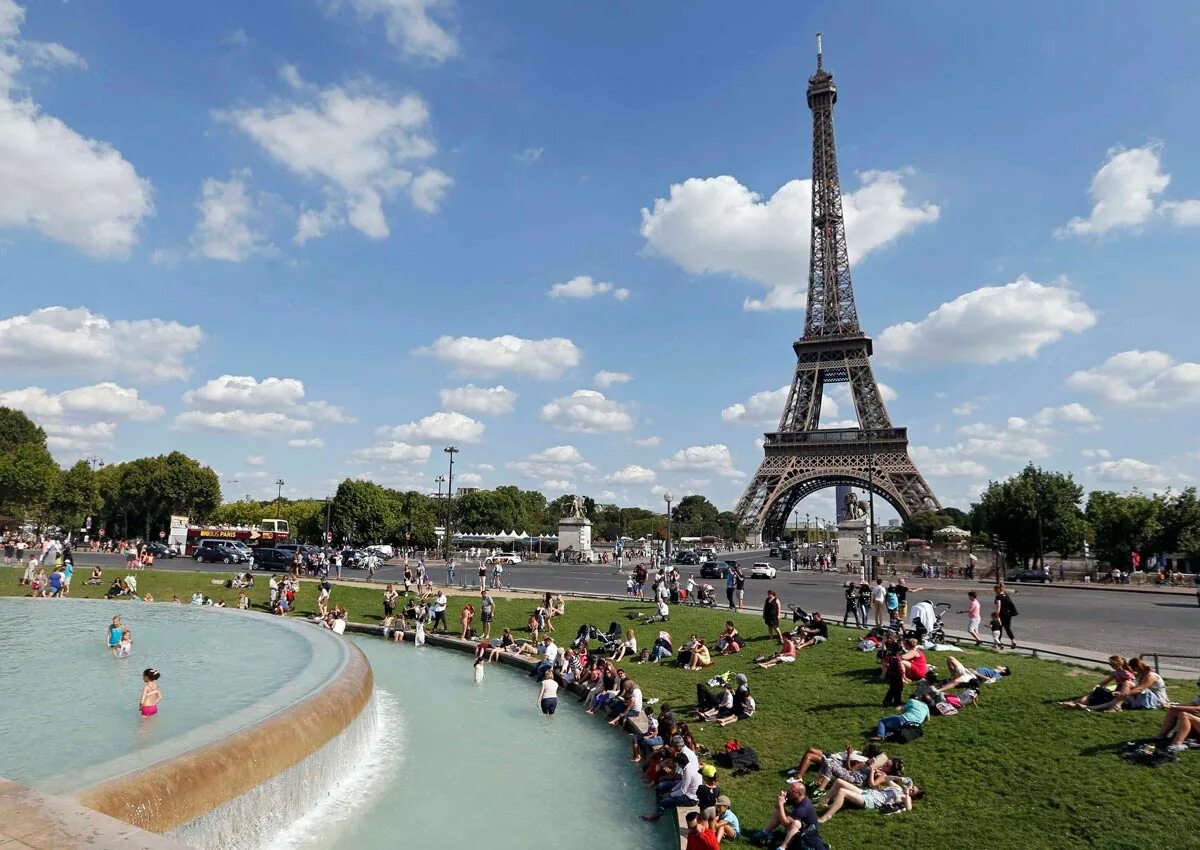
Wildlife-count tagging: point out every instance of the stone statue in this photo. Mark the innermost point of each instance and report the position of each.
(854, 508)
(577, 507)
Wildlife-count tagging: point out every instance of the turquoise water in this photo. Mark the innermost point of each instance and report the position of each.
(461, 764)
(68, 708)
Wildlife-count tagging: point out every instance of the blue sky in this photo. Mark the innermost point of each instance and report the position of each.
(285, 236)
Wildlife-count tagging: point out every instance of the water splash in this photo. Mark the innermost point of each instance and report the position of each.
(314, 797)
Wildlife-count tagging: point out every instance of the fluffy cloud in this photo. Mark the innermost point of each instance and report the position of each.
(765, 408)
(605, 379)
(226, 230)
(310, 443)
(632, 474)
(561, 462)
(410, 25)
(544, 359)
(440, 427)
(1123, 192)
(945, 463)
(1128, 470)
(1017, 439)
(715, 459)
(58, 339)
(583, 287)
(558, 454)
(966, 408)
(558, 484)
(106, 401)
(244, 391)
(588, 412)
(648, 442)
(68, 187)
(1141, 379)
(988, 325)
(313, 224)
(1101, 454)
(255, 460)
(1183, 213)
(394, 451)
(529, 156)
(66, 437)
(713, 225)
(363, 145)
(265, 423)
(491, 401)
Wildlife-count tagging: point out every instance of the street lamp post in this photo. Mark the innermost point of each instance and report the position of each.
(871, 501)
(452, 451)
(440, 480)
(328, 509)
(279, 489)
(667, 497)
(95, 463)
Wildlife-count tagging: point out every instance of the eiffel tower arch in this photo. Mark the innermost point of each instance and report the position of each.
(801, 457)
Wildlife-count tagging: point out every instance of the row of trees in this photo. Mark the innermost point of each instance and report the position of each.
(1038, 511)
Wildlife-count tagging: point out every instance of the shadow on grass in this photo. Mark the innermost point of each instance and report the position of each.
(830, 706)
(863, 674)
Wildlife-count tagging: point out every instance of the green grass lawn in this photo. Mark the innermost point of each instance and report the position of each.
(1017, 772)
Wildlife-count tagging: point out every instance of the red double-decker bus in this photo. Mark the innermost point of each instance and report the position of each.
(267, 533)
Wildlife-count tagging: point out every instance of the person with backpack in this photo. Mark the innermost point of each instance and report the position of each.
(1004, 611)
(913, 713)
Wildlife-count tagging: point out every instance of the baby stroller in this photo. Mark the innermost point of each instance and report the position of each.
(927, 621)
(800, 618)
(706, 597)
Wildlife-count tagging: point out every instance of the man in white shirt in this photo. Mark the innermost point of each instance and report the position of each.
(878, 602)
(439, 612)
(683, 793)
(549, 653)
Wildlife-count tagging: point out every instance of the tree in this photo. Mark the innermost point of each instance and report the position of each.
(695, 516)
(1179, 519)
(74, 496)
(28, 474)
(1033, 512)
(1124, 524)
(923, 524)
(361, 512)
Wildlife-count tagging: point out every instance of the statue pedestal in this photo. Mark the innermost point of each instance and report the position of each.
(575, 534)
(850, 549)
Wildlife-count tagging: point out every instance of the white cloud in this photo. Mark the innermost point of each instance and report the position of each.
(313, 224)
(556, 461)
(394, 451)
(1183, 213)
(544, 359)
(1072, 414)
(327, 412)
(255, 460)
(1141, 379)
(237, 38)
(242, 422)
(1128, 470)
(966, 408)
(362, 144)
(438, 427)
(944, 463)
(715, 458)
(558, 454)
(632, 474)
(886, 392)
(310, 443)
(67, 437)
(68, 187)
(485, 467)
(583, 287)
(58, 339)
(1122, 191)
(1101, 454)
(226, 230)
(605, 379)
(245, 391)
(529, 156)
(648, 442)
(106, 400)
(992, 324)
(491, 401)
(468, 479)
(588, 412)
(410, 26)
(557, 484)
(765, 408)
(714, 225)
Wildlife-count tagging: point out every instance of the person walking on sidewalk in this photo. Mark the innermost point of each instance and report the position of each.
(851, 605)
(450, 573)
(973, 616)
(1005, 610)
(879, 602)
(730, 588)
(740, 575)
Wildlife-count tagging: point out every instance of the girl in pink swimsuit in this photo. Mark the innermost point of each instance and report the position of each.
(151, 695)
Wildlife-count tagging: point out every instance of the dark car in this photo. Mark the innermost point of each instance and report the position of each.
(266, 558)
(219, 552)
(689, 559)
(160, 550)
(774, 553)
(714, 569)
(1028, 575)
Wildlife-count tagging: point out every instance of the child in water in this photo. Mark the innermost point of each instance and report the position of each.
(125, 645)
(114, 632)
(151, 695)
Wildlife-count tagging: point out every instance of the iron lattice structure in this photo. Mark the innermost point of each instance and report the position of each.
(801, 457)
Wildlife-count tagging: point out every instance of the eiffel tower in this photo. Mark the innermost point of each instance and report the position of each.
(801, 457)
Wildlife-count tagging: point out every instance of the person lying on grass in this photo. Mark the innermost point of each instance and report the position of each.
(1185, 721)
(868, 769)
(796, 814)
(913, 713)
(786, 654)
(889, 796)
(817, 631)
(1120, 676)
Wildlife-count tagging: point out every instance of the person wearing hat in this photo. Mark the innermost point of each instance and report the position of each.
(722, 821)
(707, 793)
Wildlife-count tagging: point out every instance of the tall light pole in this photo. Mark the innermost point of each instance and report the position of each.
(667, 497)
(95, 463)
(440, 480)
(871, 501)
(452, 451)
(328, 509)
(279, 489)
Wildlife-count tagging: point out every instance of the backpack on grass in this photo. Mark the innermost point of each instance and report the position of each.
(905, 735)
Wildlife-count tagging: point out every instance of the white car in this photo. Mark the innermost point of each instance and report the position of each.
(506, 558)
(762, 570)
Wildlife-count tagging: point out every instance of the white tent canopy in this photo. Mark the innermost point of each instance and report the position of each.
(952, 531)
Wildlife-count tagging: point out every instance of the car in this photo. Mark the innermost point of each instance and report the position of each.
(1028, 575)
(160, 550)
(506, 558)
(774, 553)
(687, 558)
(762, 570)
(383, 551)
(714, 569)
(268, 558)
(219, 552)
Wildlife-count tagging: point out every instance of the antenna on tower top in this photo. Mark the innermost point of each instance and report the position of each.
(820, 64)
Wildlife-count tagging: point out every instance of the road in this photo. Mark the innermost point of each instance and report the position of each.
(1127, 623)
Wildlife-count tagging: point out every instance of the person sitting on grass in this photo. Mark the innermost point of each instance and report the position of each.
(644, 742)
(1185, 721)
(700, 656)
(888, 796)
(1120, 677)
(744, 705)
(817, 631)
(913, 713)
(662, 648)
(786, 654)
(796, 815)
(97, 576)
(628, 705)
(627, 646)
(722, 821)
(722, 706)
(1148, 690)
(682, 791)
(730, 641)
(913, 664)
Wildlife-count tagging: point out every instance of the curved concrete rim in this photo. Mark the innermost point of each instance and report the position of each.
(179, 789)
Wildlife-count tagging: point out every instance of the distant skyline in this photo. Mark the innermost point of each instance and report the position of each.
(315, 240)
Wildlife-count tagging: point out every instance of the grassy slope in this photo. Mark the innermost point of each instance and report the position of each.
(1019, 772)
